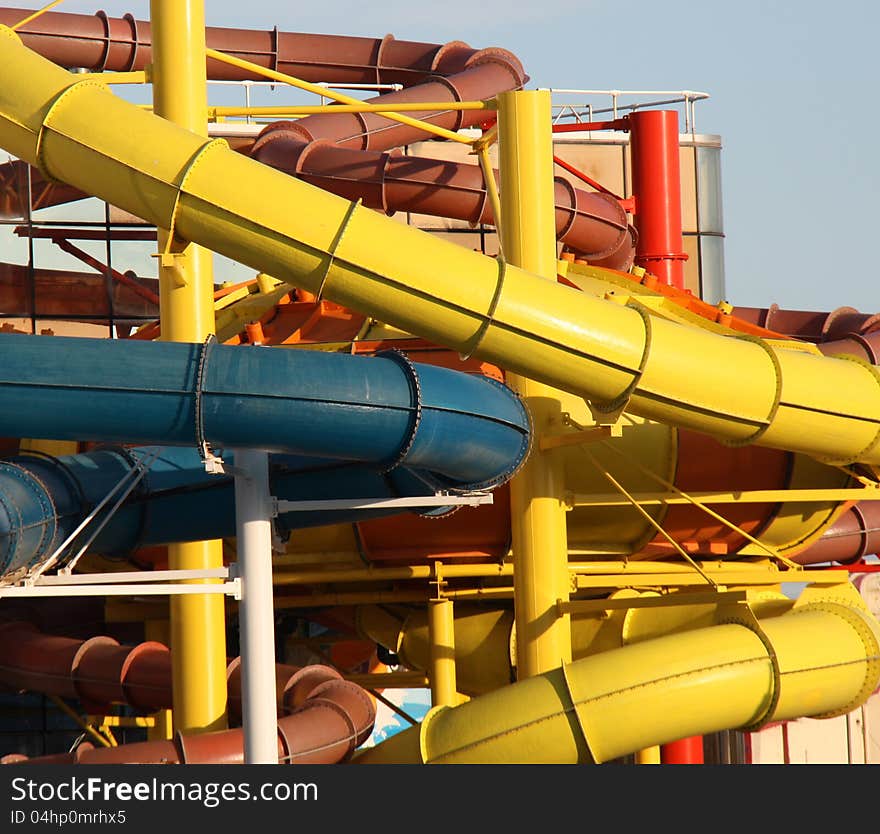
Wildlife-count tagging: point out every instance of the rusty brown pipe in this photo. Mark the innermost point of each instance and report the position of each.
(593, 224)
(814, 326)
(453, 71)
(99, 672)
(332, 719)
(120, 44)
(854, 535)
(844, 330)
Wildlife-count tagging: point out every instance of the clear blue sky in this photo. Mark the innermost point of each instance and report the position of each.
(793, 97)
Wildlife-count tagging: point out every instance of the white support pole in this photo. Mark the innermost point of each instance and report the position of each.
(253, 521)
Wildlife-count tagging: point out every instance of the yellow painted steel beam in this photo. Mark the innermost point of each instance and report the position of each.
(390, 680)
(186, 314)
(679, 580)
(595, 606)
(233, 317)
(134, 77)
(372, 574)
(648, 756)
(762, 572)
(537, 512)
(441, 673)
(55, 448)
(378, 597)
(613, 355)
(820, 659)
(752, 496)
(624, 567)
(363, 107)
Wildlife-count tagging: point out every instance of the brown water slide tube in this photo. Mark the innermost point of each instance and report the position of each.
(101, 43)
(590, 224)
(854, 536)
(322, 717)
(844, 330)
(820, 327)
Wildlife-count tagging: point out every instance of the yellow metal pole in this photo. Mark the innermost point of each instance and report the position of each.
(648, 755)
(538, 528)
(56, 448)
(441, 627)
(186, 314)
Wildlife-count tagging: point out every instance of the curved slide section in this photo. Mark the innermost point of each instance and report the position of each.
(615, 356)
(818, 660)
(322, 717)
(120, 44)
(382, 410)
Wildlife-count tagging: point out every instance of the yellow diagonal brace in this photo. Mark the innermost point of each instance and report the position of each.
(336, 96)
(37, 14)
(771, 551)
(653, 522)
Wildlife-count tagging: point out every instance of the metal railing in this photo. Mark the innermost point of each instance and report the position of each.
(587, 111)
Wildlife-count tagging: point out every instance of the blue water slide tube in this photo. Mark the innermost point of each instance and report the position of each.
(338, 426)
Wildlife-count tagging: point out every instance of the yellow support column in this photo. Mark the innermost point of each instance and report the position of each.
(538, 527)
(441, 627)
(56, 448)
(648, 756)
(186, 313)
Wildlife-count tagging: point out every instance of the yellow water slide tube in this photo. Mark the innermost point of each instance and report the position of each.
(739, 389)
(820, 658)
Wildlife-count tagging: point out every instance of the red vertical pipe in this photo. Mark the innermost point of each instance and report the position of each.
(656, 181)
(683, 751)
